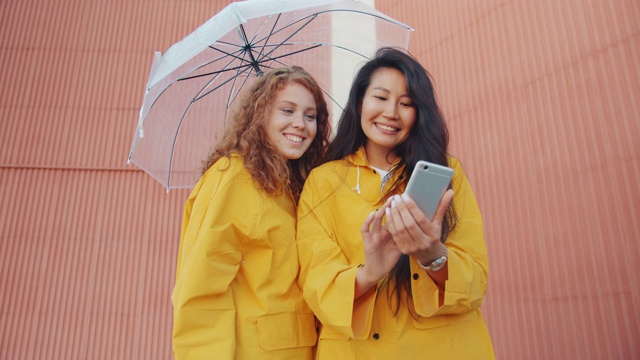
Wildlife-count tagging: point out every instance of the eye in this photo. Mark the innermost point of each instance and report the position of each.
(406, 101)
(287, 111)
(379, 97)
(310, 117)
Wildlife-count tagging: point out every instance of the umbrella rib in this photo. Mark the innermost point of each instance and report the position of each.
(266, 40)
(276, 59)
(232, 96)
(213, 72)
(266, 57)
(241, 50)
(225, 69)
(222, 84)
(286, 26)
(332, 99)
(225, 53)
(288, 37)
(173, 146)
(248, 49)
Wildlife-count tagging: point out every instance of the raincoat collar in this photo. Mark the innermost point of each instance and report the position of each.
(359, 159)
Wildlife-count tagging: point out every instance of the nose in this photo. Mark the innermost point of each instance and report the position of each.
(298, 122)
(391, 111)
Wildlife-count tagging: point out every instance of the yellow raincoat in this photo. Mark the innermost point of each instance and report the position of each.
(236, 294)
(330, 214)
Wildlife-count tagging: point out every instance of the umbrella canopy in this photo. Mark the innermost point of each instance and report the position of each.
(192, 87)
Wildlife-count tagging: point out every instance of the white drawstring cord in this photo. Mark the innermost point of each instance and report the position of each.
(357, 188)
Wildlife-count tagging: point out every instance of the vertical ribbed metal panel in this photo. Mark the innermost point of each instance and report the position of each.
(87, 243)
(87, 264)
(542, 101)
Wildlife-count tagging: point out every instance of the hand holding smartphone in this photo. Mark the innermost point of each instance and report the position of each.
(427, 184)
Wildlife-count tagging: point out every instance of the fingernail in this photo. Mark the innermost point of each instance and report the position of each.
(393, 203)
(387, 211)
(405, 197)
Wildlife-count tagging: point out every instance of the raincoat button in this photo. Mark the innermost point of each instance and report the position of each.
(376, 336)
(415, 276)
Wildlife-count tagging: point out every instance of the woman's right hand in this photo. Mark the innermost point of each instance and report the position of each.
(380, 251)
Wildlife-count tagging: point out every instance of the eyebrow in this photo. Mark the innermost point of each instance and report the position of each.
(383, 89)
(292, 103)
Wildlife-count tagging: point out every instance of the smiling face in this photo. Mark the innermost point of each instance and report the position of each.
(387, 116)
(291, 122)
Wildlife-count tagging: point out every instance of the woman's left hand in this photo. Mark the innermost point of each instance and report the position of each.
(414, 234)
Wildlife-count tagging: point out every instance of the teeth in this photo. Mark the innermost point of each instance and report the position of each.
(385, 127)
(293, 138)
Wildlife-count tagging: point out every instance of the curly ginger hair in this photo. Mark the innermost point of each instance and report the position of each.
(245, 134)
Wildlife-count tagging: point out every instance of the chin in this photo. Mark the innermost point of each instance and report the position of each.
(290, 155)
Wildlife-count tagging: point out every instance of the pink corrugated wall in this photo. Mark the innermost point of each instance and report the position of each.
(87, 243)
(542, 99)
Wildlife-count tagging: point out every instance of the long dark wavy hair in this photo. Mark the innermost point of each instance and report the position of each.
(428, 140)
(245, 134)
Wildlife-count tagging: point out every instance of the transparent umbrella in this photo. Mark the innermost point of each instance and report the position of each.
(192, 87)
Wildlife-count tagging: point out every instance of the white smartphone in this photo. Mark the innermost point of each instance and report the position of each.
(427, 184)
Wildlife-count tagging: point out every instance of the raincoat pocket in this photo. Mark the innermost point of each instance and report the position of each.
(429, 322)
(286, 330)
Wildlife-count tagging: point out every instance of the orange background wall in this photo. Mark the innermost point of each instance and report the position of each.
(542, 98)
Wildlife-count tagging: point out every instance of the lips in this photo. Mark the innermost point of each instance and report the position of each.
(386, 127)
(294, 138)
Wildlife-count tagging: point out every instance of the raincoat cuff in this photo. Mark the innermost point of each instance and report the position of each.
(462, 292)
(465, 290)
(425, 291)
(363, 314)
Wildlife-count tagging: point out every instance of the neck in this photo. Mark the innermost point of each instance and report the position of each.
(379, 158)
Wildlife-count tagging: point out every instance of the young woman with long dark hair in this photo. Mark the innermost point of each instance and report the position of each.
(385, 281)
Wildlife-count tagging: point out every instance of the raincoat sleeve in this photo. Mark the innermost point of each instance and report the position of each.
(467, 265)
(326, 277)
(208, 261)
